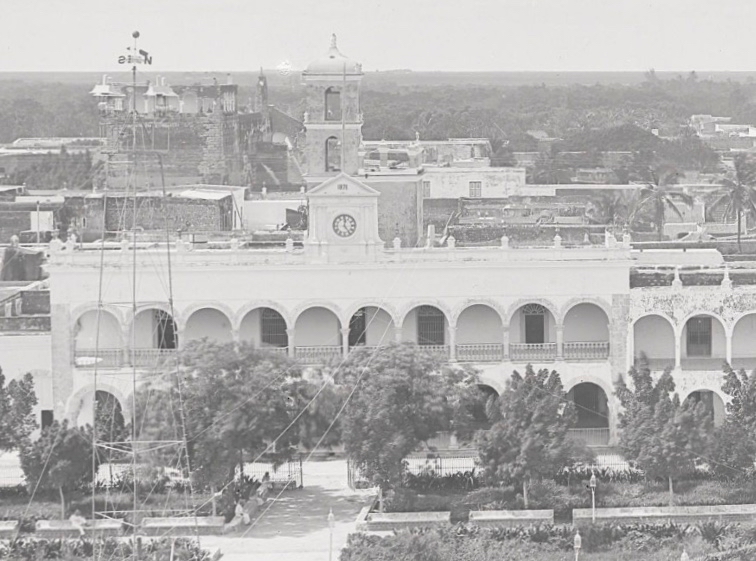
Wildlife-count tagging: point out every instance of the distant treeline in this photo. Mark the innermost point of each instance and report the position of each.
(591, 118)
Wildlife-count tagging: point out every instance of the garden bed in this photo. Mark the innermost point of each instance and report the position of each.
(562, 499)
(606, 542)
(677, 514)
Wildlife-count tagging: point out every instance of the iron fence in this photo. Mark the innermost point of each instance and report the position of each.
(288, 473)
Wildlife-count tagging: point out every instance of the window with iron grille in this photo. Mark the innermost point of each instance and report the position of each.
(476, 189)
(430, 326)
(699, 336)
(426, 189)
(273, 329)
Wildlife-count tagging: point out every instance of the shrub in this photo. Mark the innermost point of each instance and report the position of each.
(428, 480)
(491, 498)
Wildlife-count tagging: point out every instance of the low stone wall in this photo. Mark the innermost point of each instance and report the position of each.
(387, 521)
(8, 529)
(678, 514)
(64, 528)
(510, 518)
(186, 526)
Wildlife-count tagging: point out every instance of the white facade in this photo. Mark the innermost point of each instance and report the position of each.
(479, 182)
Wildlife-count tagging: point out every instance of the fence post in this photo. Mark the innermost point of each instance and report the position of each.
(301, 473)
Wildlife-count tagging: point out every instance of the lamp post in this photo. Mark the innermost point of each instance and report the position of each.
(331, 524)
(592, 485)
(577, 544)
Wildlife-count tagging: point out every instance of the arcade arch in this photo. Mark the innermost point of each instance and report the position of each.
(208, 323)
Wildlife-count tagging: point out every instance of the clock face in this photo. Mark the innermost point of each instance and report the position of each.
(344, 225)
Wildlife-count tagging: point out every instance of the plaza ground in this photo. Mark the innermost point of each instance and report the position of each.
(295, 527)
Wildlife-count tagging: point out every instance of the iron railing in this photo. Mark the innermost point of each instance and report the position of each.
(586, 350)
(591, 437)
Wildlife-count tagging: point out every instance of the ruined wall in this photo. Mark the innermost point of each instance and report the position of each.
(201, 148)
(156, 213)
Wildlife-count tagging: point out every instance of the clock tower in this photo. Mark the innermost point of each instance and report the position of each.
(343, 221)
(332, 119)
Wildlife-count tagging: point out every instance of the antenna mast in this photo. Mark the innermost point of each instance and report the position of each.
(121, 445)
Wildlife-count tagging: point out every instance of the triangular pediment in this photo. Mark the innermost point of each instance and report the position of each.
(343, 185)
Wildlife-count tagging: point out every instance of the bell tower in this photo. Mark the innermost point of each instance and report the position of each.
(332, 119)
(261, 93)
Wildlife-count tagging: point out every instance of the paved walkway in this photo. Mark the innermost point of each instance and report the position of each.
(295, 527)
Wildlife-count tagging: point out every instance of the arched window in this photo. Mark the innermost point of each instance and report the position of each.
(535, 324)
(165, 330)
(332, 105)
(333, 154)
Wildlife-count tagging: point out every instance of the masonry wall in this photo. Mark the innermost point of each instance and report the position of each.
(13, 222)
(400, 209)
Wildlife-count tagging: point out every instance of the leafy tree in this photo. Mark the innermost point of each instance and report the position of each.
(656, 197)
(61, 459)
(664, 437)
(735, 441)
(737, 196)
(529, 437)
(237, 402)
(17, 419)
(402, 397)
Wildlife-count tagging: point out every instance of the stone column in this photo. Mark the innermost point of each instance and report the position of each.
(620, 337)
(452, 344)
(345, 341)
(505, 343)
(678, 351)
(728, 346)
(397, 333)
(560, 341)
(290, 334)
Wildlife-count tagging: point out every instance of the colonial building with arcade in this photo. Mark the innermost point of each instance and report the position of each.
(360, 280)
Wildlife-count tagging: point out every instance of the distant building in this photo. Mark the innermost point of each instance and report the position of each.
(196, 133)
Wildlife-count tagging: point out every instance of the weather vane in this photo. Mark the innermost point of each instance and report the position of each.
(135, 56)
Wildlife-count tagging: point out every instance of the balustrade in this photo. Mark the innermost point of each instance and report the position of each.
(532, 351)
(150, 358)
(441, 350)
(587, 350)
(702, 363)
(317, 355)
(99, 358)
(483, 352)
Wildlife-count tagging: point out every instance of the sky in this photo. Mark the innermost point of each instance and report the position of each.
(431, 35)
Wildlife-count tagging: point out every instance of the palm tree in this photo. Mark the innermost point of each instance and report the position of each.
(737, 196)
(616, 208)
(656, 195)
